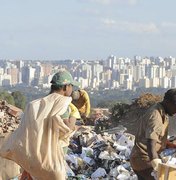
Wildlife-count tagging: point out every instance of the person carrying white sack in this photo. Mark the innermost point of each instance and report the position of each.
(37, 144)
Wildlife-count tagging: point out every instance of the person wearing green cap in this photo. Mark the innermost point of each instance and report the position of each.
(62, 78)
(37, 145)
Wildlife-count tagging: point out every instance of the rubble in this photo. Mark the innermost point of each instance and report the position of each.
(147, 99)
(9, 121)
(100, 156)
(9, 118)
(92, 154)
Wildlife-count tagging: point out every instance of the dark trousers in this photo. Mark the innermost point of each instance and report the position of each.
(145, 174)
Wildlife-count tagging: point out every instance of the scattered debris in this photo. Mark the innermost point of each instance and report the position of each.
(95, 152)
(97, 156)
(9, 117)
(147, 99)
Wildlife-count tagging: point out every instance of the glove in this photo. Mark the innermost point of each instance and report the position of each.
(155, 163)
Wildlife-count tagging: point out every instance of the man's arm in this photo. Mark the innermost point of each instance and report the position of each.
(73, 115)
(87, 104)
(70, 122)
(153, 155)
(152, 133)
(151, 149)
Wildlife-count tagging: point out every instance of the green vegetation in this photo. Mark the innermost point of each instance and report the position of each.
(4, 95)
(118, 110)
(20, 99)
(101, 98)
(15, 98)
(108, 98)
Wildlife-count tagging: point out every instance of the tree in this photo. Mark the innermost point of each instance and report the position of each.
(118, 110)
(7, 97)
(106, 104)
(20, 99)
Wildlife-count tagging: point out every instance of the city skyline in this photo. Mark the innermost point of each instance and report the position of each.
(86, 29)
(112, 73)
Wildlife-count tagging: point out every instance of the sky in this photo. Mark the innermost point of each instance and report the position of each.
(86, 29)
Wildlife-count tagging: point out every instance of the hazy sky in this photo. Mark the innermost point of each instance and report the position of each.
(86, 29)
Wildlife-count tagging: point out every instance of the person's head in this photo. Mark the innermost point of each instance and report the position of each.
(75, 95)
(170, 101)
(62, 82)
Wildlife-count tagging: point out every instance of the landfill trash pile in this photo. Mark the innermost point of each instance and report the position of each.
(9, 118)
(147, 99)
(168, 157)
(105, 155)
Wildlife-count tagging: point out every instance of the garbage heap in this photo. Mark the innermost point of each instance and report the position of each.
(9, 118)
(100, 156)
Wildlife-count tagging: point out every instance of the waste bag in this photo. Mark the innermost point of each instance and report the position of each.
(8, 169)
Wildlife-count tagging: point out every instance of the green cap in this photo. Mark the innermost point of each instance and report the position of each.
(63, 77)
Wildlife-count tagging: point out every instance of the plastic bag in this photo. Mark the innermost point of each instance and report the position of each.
(100, 172)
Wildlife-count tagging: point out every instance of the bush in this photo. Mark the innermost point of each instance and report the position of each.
(118, 110)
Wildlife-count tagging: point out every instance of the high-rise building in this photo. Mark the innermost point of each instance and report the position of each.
(128, 84)
(47, 69)
(154, 82)
(145, 82)
(173, 82)
(138, 72)
(165, 82)
(28, 73)
(14, 73)
(97, 70)
(111, 62)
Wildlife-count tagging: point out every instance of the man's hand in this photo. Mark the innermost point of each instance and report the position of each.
(170, 145)
(83, 116)
(70, 122)
(155, 163)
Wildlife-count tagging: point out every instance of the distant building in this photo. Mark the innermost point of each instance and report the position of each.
(14, 73)
(145, 82)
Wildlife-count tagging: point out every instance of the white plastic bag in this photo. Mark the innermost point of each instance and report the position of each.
(100, 172)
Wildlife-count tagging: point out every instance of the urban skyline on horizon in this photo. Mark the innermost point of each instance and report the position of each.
(112, 73)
